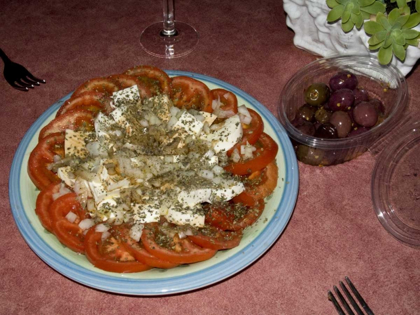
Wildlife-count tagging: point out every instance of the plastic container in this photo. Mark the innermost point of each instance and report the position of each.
(396, 183)
(385, 83)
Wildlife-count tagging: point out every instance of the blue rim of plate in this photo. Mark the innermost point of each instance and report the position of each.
(171, 285)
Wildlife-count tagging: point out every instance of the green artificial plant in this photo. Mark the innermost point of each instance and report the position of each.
(353, 12)
(393, 33)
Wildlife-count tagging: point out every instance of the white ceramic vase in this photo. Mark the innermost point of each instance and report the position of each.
(308, 19)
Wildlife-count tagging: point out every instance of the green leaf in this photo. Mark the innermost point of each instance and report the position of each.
(418, 6)
(374, 8)
(414, 20)
(357, 19)
(412, 42)
(348, 26)
(401, 3)
(402, 20)
(410, 34)
(388, 42)
(376, 47)
(385, 55)
(381, 35)
(345, 17)
(365, 15)
(356, 10)
(399, 39)
(364, 3)
(393, 16)
(335, 13)
(332, 3)
(372, 27)
(377, 38)
(399, 51)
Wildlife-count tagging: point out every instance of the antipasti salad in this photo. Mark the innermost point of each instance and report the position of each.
(140, 170)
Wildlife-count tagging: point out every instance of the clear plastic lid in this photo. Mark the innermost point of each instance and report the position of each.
(396, 182)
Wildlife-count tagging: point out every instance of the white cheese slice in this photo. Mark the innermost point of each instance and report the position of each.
(65, 174)
(209, 118)
(74, 143)
(118, 116)
(189, 124)
(226, 136)
(146, 213)
(102, 125)
(227, 190)
(185, 216)
(126, 96)
(194, 197)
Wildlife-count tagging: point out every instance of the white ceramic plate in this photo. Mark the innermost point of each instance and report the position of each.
(256, 240)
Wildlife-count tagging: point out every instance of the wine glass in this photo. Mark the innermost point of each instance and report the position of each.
(169, 39)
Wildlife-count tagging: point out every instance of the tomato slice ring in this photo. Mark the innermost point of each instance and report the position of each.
(190, 93)
(137, 250)
(43, 203)
(126, 81)
(260, 186)
(41, 156)
(92, 101)
(251, 132)
(94, 252)
(266, 152)
(228, 99)
(186, 252)
(156, 79)
(68, 233)
(216, 239)
(78, 119)
(102, 85)
(229, 218)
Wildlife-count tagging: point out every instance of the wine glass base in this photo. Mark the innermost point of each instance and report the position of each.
(156, 44)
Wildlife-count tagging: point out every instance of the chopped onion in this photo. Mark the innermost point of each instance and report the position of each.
(56, 158)
(182, 235)
(247, 150)
(172, 122)
(63, 191)
(199, 117)
(71, 217)
(90, 205)
(206, 174)
(217, 169)
(136, 231)
(174, 111)
(235, 156)
(206, 127)
(119, 184)
(105, 235)
(101, 228)
(217, 180)
(144, 122)
(226, 96)
(244, 115)
(224, 113)
(86, 224)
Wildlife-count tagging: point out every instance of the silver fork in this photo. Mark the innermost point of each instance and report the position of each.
(17, 75)
(350, 299)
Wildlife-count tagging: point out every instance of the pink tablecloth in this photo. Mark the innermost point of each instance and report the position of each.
(333, 231)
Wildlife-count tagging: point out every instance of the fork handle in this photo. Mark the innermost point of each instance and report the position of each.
(4, 56)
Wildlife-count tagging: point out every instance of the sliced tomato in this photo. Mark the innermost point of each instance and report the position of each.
(233, 216)
(251, 132)
(214, 238)
(126, 81)
(77, 119)
(228, 100)
(190, 93)
(109, 255)
(260, 185)
(266, 152)
(91, 101)
(68, 233)
(102, 85)
(41, 157)
(136, 249)
(175, 250)
(43, 203)
(156, 79)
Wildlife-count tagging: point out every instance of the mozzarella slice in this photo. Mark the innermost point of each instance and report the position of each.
(125, 97)
(74, 143)
(194, 197)
(185, 216)
(66, 175)
(189, 124)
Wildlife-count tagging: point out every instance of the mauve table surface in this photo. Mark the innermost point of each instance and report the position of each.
(333, 232)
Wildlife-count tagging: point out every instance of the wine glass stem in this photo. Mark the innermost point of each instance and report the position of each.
(168, 18)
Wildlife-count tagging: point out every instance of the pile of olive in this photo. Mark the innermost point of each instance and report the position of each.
(338, 110)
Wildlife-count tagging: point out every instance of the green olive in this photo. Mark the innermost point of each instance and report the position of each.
(317, 94)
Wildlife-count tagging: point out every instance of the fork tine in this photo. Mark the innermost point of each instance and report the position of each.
(22, 83)
(30, 81)
(336, 305)
(350, 298)
(343, 301)
(35, 78)
(17, 87)
(359, 297)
